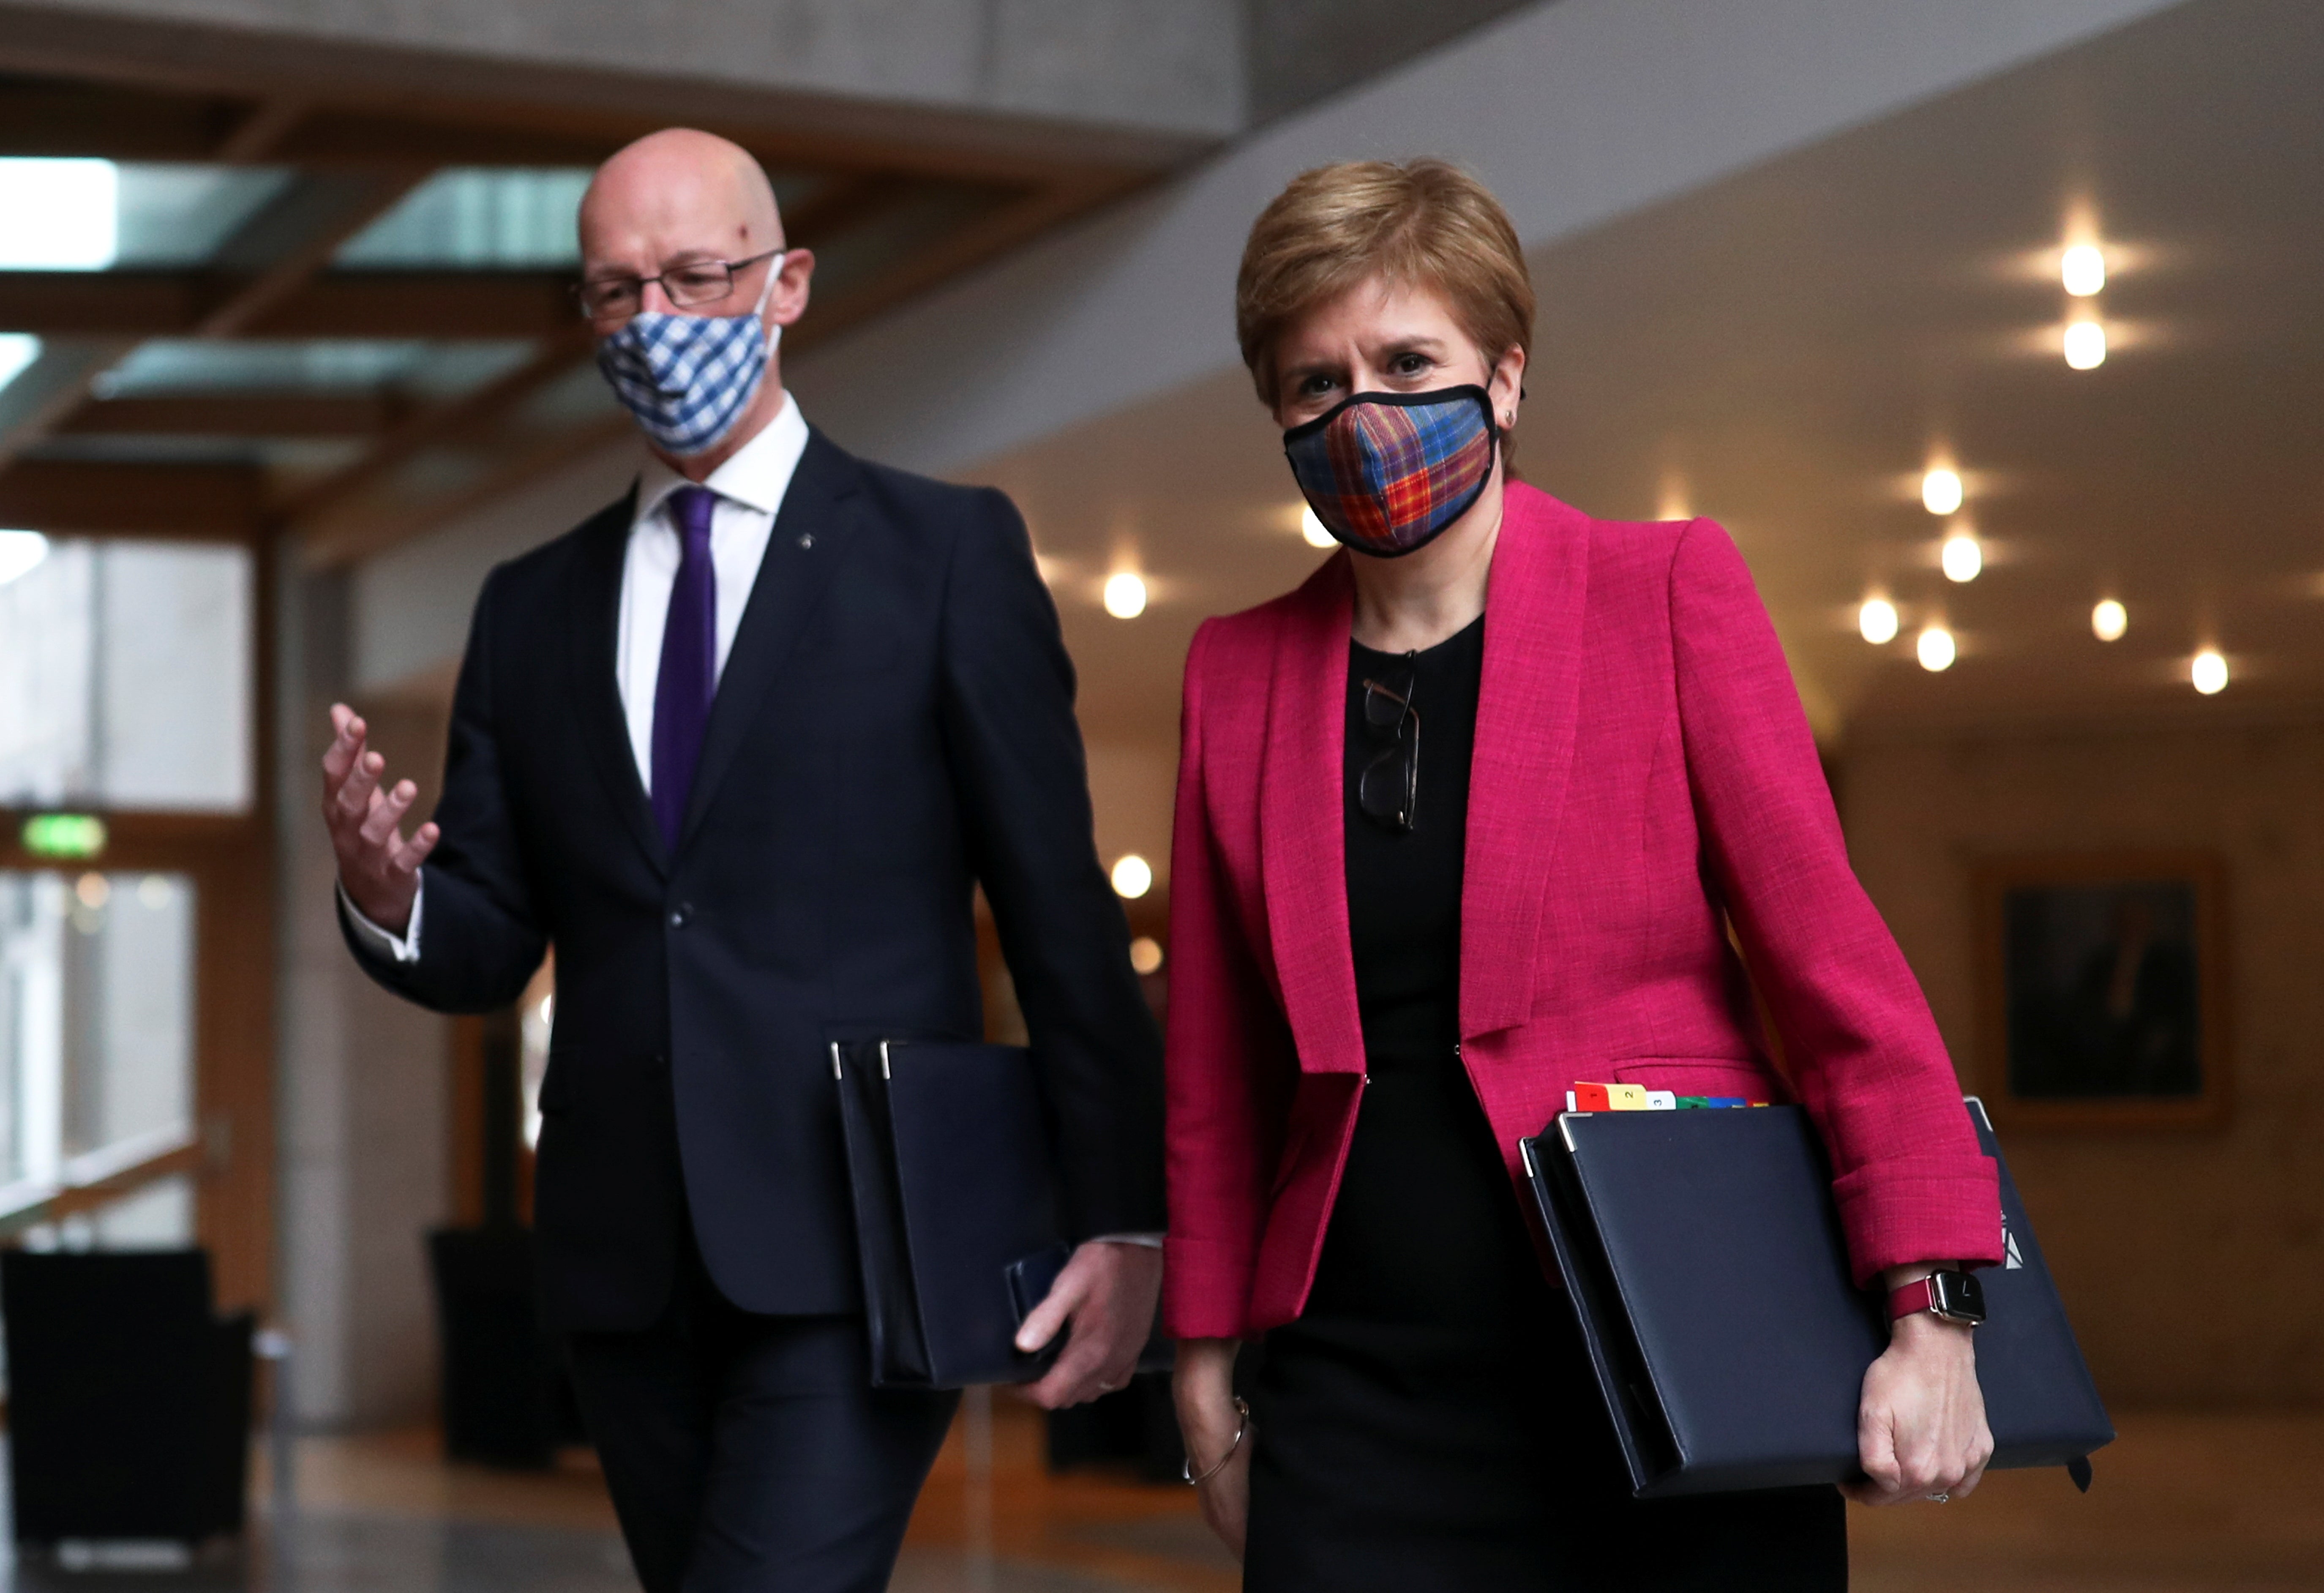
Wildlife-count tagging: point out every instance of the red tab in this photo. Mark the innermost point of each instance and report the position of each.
(1590, 1098)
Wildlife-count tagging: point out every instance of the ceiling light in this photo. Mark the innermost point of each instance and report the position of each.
(1312, 529)
(2109, 620)
(2209, 672)
(1878, 621)
(1133, 877)
(59, 215)
(1125, 596)
(1961, 557)
(1936, 649)
(2086, 345)
(2083, 270)
(20, 553)
(17, 350)
(1941, 491)
(1146, 955)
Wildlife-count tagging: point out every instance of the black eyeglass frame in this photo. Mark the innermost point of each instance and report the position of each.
(1404, 751)
(581, 289)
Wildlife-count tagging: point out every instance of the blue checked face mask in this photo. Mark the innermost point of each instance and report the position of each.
(689, 379)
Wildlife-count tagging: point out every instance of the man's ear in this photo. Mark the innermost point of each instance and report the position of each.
(790, 299)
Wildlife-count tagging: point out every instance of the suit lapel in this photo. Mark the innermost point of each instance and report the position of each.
(1302, 835)
(811, 535)
(595, 633)
(1525, 715)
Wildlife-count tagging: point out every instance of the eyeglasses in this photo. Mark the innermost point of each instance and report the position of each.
(1388, 790)
(689, 286)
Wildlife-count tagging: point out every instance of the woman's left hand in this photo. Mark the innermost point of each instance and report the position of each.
(1920, 1428)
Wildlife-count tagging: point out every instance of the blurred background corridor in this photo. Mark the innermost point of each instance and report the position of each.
(1991, 331)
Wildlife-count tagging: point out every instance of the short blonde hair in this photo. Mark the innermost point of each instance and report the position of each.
(1422, 223)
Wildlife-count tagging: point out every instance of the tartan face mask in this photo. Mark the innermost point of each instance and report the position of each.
(688, 379)
(1387, 472)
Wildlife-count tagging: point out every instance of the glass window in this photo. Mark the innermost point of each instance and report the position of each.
(97, 1035)
(126, 674)
(329, 364)
(477, 218)
(87, 214)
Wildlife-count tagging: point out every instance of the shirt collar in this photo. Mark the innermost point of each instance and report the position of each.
(756, 477)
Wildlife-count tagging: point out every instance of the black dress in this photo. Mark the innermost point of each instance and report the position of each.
(1430, 1422)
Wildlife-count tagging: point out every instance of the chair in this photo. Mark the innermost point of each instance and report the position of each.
(505, 1398)
(128, 1397)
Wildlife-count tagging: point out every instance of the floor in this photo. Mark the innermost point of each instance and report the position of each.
(2183, 1504)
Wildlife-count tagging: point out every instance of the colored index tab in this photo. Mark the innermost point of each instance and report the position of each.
(1728, 1101)
(1626, 1098)
(1688, 1102)
(1661, 1100)
(1591, 1098)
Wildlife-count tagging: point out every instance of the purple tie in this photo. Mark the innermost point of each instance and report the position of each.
(690, 662)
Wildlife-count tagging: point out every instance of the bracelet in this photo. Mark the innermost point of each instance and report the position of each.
(1242, 1425)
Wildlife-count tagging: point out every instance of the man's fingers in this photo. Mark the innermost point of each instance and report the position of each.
(346, 745)
(1048, 1318)
(414, 851)
(387, 811)
(362, 779)
(1078, 1376)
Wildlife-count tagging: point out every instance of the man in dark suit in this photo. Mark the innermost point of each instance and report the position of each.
(741, 746)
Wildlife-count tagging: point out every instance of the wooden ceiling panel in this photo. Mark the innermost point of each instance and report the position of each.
(333, 304)
(897, 202)
(107, 498)
(240, 414)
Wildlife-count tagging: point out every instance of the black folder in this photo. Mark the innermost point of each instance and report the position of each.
(1702, 1252)
(958, 1216)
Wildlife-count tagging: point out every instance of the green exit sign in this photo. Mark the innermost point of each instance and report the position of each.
(78, 836)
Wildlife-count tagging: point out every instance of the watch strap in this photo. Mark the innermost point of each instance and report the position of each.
(1918, 1295)
(1947, 1294)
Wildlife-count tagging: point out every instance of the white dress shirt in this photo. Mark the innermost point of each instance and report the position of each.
(750, 487)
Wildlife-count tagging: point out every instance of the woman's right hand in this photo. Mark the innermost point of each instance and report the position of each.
(1204, 1388)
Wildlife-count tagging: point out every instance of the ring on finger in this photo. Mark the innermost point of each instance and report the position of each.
(1943, 1498)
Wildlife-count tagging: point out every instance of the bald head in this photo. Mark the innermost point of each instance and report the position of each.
(676, 195)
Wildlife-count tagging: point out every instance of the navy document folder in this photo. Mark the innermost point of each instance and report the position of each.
(1702, 1252)
(957, 1215)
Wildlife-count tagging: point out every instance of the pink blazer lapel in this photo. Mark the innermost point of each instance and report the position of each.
(1302, 845)
(1526, 714)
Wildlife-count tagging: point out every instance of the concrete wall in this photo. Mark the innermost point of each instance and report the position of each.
(2193, 1262)
(1167, 66)
(1574, 113)
(362, 1106)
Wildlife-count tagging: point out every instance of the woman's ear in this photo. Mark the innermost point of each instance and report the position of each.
(1507, 387)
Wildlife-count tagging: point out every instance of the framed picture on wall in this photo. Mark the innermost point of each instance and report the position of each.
(2102, 989)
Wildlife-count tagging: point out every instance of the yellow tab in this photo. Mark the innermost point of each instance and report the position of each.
(1626, 1098)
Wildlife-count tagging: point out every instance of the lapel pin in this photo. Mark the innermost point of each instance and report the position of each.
(807, 539)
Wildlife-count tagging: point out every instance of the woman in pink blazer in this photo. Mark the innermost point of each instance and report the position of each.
(1463, 821)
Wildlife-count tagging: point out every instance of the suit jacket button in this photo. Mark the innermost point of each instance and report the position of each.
(660, 1063)
(680, 914)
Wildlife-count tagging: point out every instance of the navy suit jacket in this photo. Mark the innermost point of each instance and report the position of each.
(894, 726)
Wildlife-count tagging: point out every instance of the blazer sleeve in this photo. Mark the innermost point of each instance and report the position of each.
(1911, 1183)
(1015, 752)
(1223, 1127)
(481, 942)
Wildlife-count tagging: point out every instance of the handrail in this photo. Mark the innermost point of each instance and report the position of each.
(98, 1178)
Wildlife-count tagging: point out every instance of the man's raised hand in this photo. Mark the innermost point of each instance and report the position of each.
(378, 868)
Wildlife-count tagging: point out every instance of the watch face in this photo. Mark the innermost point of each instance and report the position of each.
(1958, 1295)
